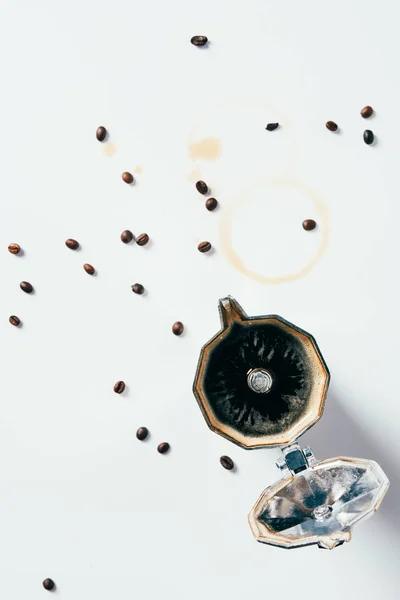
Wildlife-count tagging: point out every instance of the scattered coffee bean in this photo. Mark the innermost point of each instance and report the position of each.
(211, 204)
(367, 112)
(126, 236)
(331, 125)
(137, 288)
(272, 126)
(204, 247)
(163, 447)
(72, 244)
(119, 387)
(142, 433)
(202, 187)
(26, 287)
(101, 133)
(142, 239)
(227, 462)
(127, 177)
(177, 328)
(199, 40)
(309, 224)
(368, 136)
(14, 320)
(14, 248)
(49, 584)
(88, 268)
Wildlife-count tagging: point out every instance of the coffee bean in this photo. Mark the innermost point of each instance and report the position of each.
(309, 224)
(142, 239)
(89, 269)
(127, 177)
(331, 125)
(14, 248)
(211, 204)
(72, 244)
(368, 136)
(137, 288)
(126, 236)
(204, 247)
(199, 40)
(26, 287)
(14, 320)
(367, 112)
(142, 433)
(177, 328)
(101, 133)
(202, 187)
(227, 462)
(163, 447)
(272, 126)
(49, 584)
(119, 387)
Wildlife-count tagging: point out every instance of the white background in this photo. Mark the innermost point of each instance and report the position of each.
(81, 500)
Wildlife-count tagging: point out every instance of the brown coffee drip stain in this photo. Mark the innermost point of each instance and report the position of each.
(138, 169)
(225, 230)
(109, 148)
(208, 148)
(195, 174)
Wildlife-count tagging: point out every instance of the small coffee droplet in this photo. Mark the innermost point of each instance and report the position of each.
(126, 236)
(309, 224)
(331, 125)
(177, 328)
(14, 248)
(199, 40)
(211, 204)
(101, 133)
(226, 462)
(367, 112)
(142, 239)
(49, 584)
(204, 247)
(142, 433)
(202, 187)
(272, 126)
(163, 447)
(137, 288)
(119, 387)
(88, 268)
(72, 244)
(127, 177)
(26, 287)
(14, 320)
(368, 136)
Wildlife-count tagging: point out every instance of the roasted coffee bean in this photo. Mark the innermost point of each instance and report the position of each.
(177, 328)
(226, 462)
(26, 287)
(126, 236)
(199, 40)
(368, 136)
(142, 239)
(119, 387)
(89, 269)
(14, 320)
(72, 244)
(49, 584)
(163, 447)
(14, 248)
(367, 112)
(331, 125)
(309, 224)
(137, 288)
(127, 177)
(272, 126)
(211, 204)
(202, 187)
(101, 133)
(204, 247)
(142, 433)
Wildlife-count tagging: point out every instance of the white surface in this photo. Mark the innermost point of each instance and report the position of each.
(81, 500)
